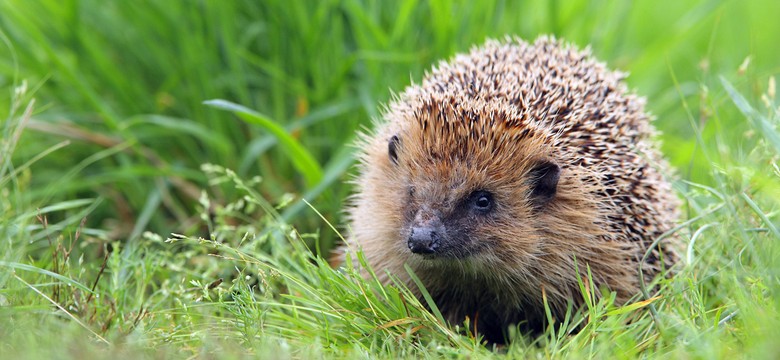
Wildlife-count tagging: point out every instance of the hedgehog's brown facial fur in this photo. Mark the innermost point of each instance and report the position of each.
(443, 171)
(451, 208)
(507, 175)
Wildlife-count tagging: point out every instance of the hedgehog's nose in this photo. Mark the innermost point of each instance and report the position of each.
(424, 239)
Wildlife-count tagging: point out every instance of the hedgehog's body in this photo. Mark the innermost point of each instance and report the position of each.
(506, 174)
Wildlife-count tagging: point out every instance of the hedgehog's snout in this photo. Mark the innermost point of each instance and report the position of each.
(424, 240)
(426, 233)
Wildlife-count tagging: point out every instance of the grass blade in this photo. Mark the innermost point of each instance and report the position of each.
(37, 270)
(302, 159)
(760, 121)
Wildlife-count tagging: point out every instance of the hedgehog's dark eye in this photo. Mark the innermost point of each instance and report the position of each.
(544, 180)
(482, 201)
(392, 149)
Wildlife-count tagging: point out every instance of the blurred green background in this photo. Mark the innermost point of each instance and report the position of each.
(125, 82)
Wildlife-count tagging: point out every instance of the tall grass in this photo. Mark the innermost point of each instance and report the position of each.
(126, 82)
(107, 162)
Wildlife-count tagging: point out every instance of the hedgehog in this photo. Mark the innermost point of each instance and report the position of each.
(509, 177)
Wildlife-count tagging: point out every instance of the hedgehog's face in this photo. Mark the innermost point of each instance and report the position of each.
(467, 206)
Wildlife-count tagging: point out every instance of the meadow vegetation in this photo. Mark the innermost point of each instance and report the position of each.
(172, 174)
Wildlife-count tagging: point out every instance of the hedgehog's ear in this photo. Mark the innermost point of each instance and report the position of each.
(392, 149)
(544, 182)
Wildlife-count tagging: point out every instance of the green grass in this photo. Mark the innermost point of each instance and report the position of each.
(140, 219)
